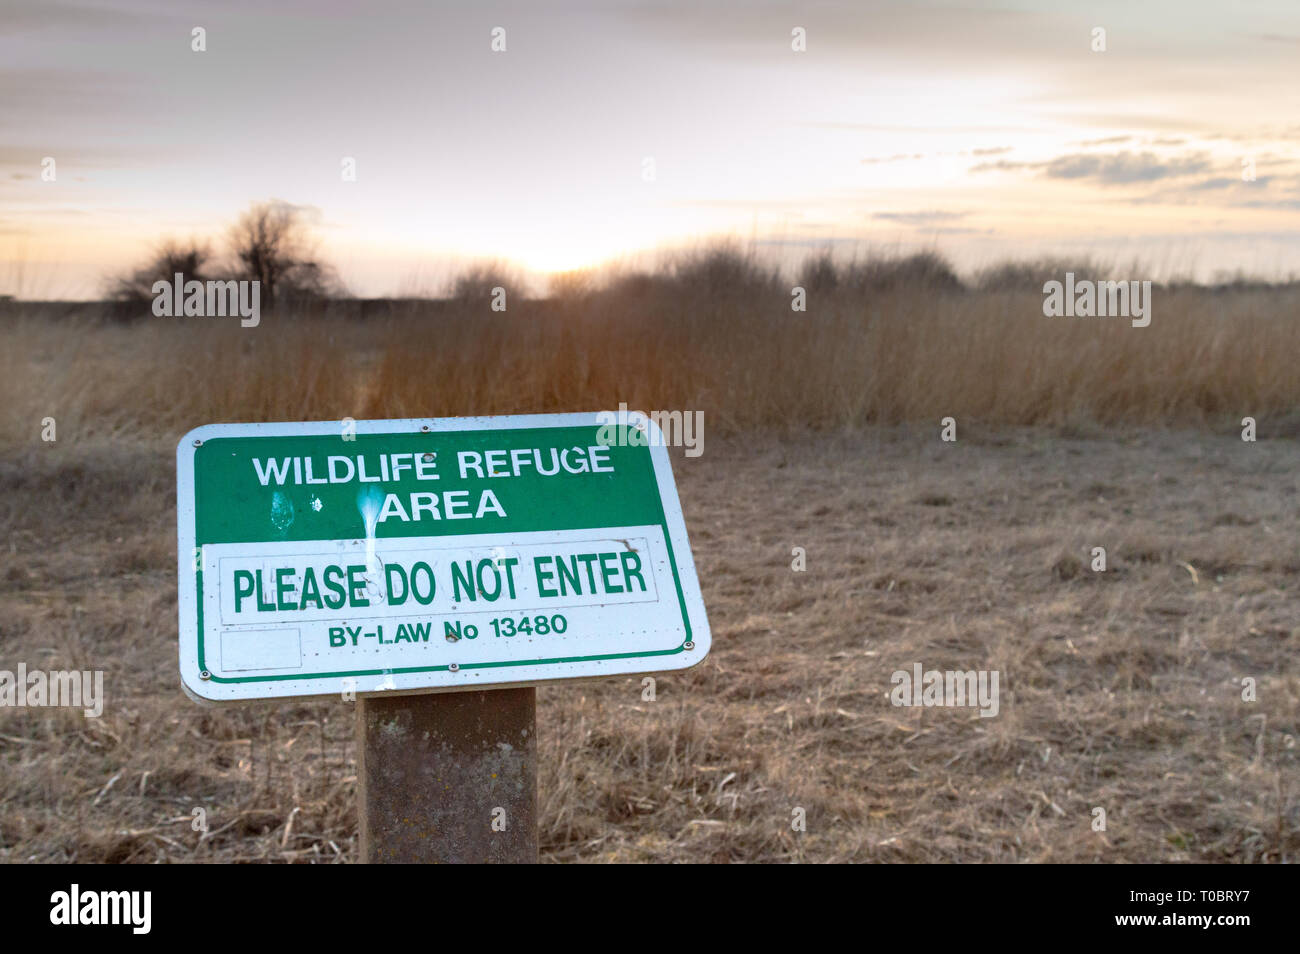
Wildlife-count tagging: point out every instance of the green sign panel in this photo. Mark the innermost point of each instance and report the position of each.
(426, 555)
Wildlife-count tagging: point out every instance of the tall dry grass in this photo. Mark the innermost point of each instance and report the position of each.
(702, 339)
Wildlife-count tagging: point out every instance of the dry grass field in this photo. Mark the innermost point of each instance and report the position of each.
(727, 344)
(1121, 690)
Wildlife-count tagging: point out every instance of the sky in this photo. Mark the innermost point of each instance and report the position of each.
(614, 130)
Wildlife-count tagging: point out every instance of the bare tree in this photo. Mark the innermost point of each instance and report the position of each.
(270, 244)
(190, 258)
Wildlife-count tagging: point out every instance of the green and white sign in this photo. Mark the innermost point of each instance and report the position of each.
(429, 555)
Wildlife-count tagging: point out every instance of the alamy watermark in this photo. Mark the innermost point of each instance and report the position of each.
(948, 688)
(129, 908)
(1089, 299)
(626, 428)
(210, 299)
(60, 688)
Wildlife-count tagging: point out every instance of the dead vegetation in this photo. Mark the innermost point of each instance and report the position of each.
(878, 344)
(1121, 690)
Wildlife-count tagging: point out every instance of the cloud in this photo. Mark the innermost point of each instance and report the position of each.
(1004, 165)
(1124, 168)
(26, 16)
(1232, 182)
(1118, 168)
(1107, 141)
(1225, 189)
(925, 217)
(1271, 204)
(1259, 134)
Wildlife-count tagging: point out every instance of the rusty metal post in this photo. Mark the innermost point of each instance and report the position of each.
(448, 778)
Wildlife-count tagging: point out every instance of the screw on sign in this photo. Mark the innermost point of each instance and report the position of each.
(440, 570)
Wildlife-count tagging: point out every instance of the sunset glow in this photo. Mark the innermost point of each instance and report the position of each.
(606, 134)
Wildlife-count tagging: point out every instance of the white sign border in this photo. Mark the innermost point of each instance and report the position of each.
(201, 690)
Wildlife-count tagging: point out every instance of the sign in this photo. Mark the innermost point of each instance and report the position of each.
(429, 555)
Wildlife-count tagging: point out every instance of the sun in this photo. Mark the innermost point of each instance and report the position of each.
(556, 253)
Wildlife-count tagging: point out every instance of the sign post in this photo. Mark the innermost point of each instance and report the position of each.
(448, 778)
(434, 571)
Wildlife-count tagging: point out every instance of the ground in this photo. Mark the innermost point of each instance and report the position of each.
(1121, 690)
